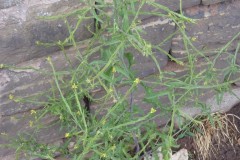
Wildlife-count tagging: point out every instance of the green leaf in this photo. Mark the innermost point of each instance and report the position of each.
(122, 71)
(130, 59)
(153, 95)
(106, 77)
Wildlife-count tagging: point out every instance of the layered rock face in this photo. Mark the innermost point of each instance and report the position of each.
(22, 28)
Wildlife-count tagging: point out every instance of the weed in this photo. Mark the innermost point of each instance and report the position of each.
(115, 126)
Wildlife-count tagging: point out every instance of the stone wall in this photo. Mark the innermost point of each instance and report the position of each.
(217, 22)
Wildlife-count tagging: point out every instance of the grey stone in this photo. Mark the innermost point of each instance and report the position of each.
(208, 2)
(171, 4)
(147, 9)
(25, 124)
(215, 27)
(21, 28)
(33, 83)
(229, 100)
(155, 32)
(181, 73)
(9, 3)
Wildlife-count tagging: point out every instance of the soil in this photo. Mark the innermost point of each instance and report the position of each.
(225, 151)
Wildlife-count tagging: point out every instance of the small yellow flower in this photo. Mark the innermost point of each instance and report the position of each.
(110, 90)
(67, 135)
(78, 113)
(113, 147)
(134, 25)
(114, 70)
(75, 147)
(104, 155)
(193, 39)
(49, 59)
(74, 86)
(30, 123)
(104, 122)
(33, 111)
(11, 96)
(181, 63)
(153, 110)
(137, 81)
(183, 27)
(1, 66)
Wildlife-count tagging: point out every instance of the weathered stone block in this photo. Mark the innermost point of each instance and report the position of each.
(155, 32)
(171, 4)
(147, 9)
(181, 73)
(215, 27)
(9, 3)
(34, 82)
(13, 126)
(21, 28)
(208, 2)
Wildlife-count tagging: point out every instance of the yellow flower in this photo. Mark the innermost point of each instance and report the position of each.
(1, 66)
(74, 86)
(104, 121)
(11, 96)
(114, 70)
(181, 63)
(48, 59)
(193, 39)
(137, 81)
(33, 111)
(30, 123)
(110, 90)
(75, 147)
(103, 155)
(67, 135)
(153, 110)
(113, 147)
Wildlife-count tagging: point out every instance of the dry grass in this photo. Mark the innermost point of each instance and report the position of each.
(211, 134)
